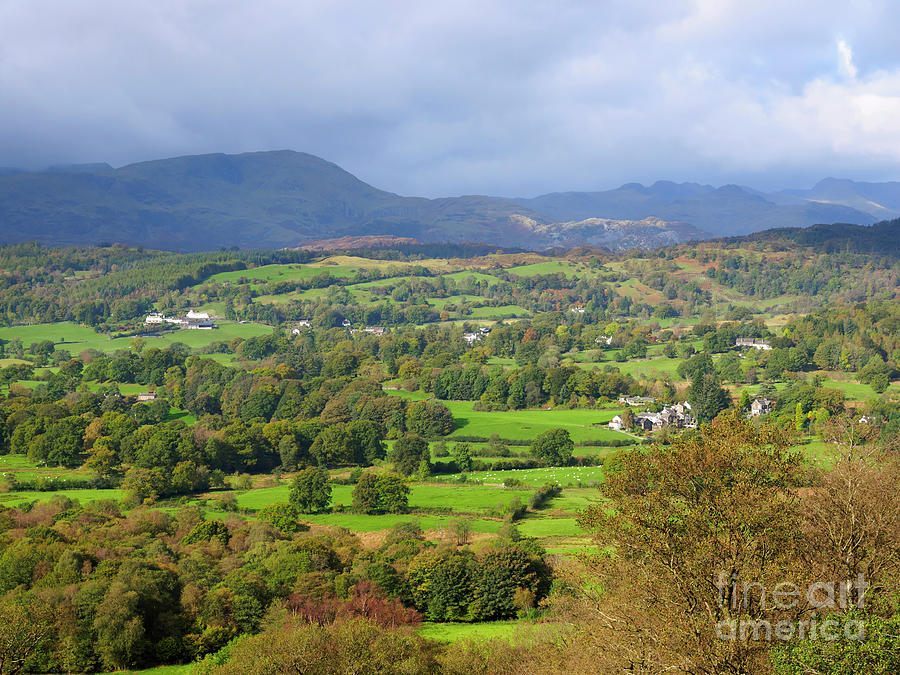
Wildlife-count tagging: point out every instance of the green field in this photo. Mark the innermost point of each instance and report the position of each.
(440, 303)
(527, 424)
(854, 391)
(570, 269)
(537, 477)
(83, 496)
(645, 368)
(75, 338)
(541, 528)
(13, 362)
(451, 632)
(185, 669)
(23, 468)
(461, 498)
(363, 523)
(65, 334)
(461, 278)
(267, 273)
(500, 312)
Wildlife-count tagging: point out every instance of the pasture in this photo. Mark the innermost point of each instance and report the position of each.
(525, 425)
(267, 273)
(83, 496)
(460, 497)
(564, 475)
(566, 267)
(451, 632)
(75, 338)
(499, 312)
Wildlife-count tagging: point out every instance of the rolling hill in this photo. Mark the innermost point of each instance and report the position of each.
(284, 198)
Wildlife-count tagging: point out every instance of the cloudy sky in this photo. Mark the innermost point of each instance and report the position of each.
(429, 98)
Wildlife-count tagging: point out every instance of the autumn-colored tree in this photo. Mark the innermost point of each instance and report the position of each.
(26, 629)
(689, 524)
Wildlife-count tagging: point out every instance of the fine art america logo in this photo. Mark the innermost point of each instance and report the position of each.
(825, 596)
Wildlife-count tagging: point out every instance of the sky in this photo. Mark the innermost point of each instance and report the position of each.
(512, 98)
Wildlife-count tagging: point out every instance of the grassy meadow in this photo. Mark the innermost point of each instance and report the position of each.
(75, 339)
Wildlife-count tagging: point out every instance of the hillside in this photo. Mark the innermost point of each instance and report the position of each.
(727, 210)
(881, 238)
(285, 198)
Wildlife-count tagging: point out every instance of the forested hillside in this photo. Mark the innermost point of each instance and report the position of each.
(253, 461)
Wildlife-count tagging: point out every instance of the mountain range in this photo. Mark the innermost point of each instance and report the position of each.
(284, 198)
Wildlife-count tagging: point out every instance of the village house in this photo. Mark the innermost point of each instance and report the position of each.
(199, 324)
(678, 416)
(616, 423)
(752, 342)
(146, 396)
(375, 330)
(760, 406)
(471, 337)
(193, 320)
(636, 400)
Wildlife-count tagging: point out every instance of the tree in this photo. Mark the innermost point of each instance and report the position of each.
(500, 574)
(554, 447)
(707, 397)
(409, 451)
(627, 418)
(689, 521)
(26, 629)
(462, 455)
(429, 419)
(799, 417)
(879, 652)
(381, 493)
(62, 443)
(311, 490)
(333, 447)
(368, 441)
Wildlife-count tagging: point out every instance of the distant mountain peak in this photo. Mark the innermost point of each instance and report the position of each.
(277, 198)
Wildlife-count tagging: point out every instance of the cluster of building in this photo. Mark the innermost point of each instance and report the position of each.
(755, 343)
(192, 320)
(678, 416)
(474, 337)
(303, 325)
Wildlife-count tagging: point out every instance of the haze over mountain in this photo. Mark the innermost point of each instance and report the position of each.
(283, 198)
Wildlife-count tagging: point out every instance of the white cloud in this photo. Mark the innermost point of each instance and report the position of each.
(847, 67)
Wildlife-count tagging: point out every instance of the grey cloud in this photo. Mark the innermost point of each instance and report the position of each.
(508, 97)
